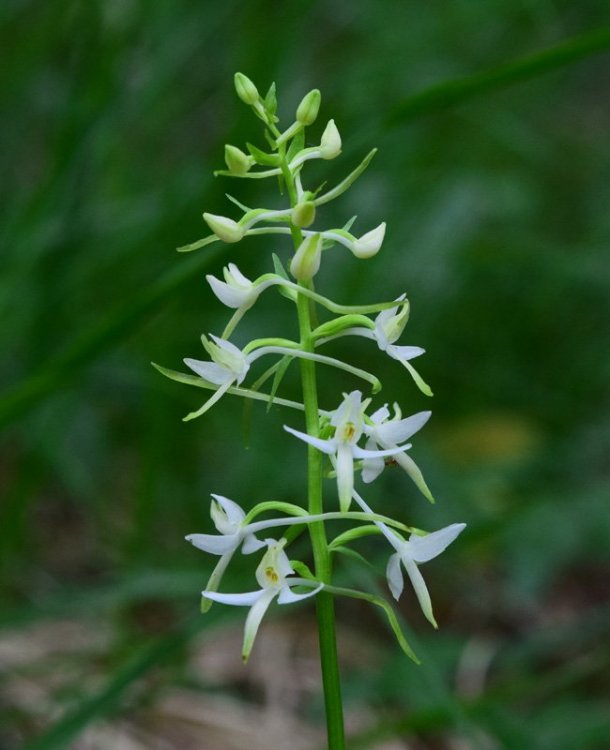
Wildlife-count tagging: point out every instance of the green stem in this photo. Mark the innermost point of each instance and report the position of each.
(322, 558)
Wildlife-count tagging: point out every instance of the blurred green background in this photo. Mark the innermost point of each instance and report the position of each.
(496, 198)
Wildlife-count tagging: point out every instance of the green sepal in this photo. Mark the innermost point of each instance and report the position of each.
(355, 555)
(196, 245)
(419, 381)
(352, 534)
(199, 382)
(389, 612)
(297, 144)
(248, 175)
(302, 569)
(289, 508)
(347, 182)
(262, 157)
(270, 102)
(234, 200)
(332, 327)
(184, 377)
(279, 269)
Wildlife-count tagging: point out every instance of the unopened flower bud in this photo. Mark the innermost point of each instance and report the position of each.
(245, 89)
(306, 261)
(307, 111)
(369, 244)
(225, 229)
(303, 214)
(330, 143)
(237, 162)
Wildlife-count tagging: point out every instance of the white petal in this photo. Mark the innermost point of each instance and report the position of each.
(255, 615)
(345, 475)
(420, 588)
(398, 431)
(210, 371)
(247, 599)
(325, 446)
(287, 596)
(228, 295)
(424, 548)
(394, 575)
(235, 515)
(227, 346)
(379, 416)
(362, 453)
(404, 353)
(239, 277)
(371, 469)
(216, 545)
(251, 544)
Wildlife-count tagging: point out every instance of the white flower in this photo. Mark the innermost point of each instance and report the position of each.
(348, 421)
(388, 433)
(271, 574)
(236, 291)
(417, 549)
(228, 518)
(229, 366)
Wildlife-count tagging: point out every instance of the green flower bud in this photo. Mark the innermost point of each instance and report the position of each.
(330, 143)
(369, 244)
(237, 162)
(308, 109)
(245, 89)
(306, 261)
(303, 214)
(225, 229)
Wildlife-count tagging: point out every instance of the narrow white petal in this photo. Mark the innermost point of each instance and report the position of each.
(235, 515)
(209, 403)
(239, 277)
(420, 588)
(394, 575)
(227, 346)
(253, 620)
(404, 353)
(371, 469)
(362, 453)
(287, 596)
(345, 475)
(215, 579)
(210, 371)
(424, 548)
(400, 430)
(251, 544)
(247, 599)
(216, 545)
(325, 446)
(379, 416)
(228, 295)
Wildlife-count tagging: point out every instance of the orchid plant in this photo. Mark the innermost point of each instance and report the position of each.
(341, 441)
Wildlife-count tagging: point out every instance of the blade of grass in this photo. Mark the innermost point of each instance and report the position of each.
(450, 93)
(99, 338)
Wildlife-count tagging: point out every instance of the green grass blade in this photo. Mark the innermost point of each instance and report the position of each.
(450, 93)
(99, 338)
